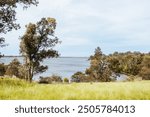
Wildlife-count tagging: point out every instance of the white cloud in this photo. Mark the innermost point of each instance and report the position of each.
(90, 22)
(75, 41)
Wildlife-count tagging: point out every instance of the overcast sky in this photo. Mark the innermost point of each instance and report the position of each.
(82, 25)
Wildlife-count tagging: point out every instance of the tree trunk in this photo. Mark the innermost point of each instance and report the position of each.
(30, 70)
(30, 73)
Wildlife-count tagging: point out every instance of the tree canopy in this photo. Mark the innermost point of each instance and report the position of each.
(145, 69)
(8, 15)
(37, 44)
(99, 70)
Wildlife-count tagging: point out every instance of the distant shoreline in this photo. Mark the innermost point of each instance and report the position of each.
(11, 56)
(58, 57)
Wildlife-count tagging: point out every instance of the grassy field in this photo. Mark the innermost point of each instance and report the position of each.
(18, 90)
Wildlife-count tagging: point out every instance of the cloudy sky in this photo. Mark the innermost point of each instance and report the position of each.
(82, 25)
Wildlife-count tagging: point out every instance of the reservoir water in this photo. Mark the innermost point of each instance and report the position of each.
(63, 66)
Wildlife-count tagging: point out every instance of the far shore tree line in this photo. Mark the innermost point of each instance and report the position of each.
(103, 68)
(106, 68)
(38, 43)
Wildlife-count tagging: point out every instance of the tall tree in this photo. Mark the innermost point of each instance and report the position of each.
(37, 44)
(8, 15)
(99, 70)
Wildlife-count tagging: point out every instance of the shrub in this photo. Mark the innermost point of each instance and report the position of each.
(2, 69)
(13, 68)
(131, 78)
(56, 78)
(145, 71)
(66, 80)
(51, 79)
(45, 80)
(22, 72)
(79, 77)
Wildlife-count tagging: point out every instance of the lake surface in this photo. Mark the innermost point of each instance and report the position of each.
(63, 66)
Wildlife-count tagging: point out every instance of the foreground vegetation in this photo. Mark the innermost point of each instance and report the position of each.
(22, 90)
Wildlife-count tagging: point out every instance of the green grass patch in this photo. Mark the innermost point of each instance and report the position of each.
(15, 89)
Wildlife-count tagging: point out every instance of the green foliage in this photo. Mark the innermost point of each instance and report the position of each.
(45, 80)
(99, 70)
(37, 44)
(2, 69)
(56, 78)
(8, 15)
(13, 68)
(79, 77)
(134, 78)
(23, 72)
(66, 80)
(51, 79)
(126, 63)
(145, 71)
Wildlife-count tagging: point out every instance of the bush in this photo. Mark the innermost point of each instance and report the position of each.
(131, 78)
(2, 69)
(51, 79)
(79, 77)
(56, 78)
(13, 68)
(145, 71)
(66, 80)
(45, 80)
(23, 72)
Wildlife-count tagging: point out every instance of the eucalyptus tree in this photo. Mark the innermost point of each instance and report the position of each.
(38, 43)
(8, 15)
(98, 70)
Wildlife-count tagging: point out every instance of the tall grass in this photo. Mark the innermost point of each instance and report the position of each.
(17, 89)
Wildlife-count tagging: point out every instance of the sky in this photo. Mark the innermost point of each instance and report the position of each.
(82, 25)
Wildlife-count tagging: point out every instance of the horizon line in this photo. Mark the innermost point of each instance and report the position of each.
(54, 57)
